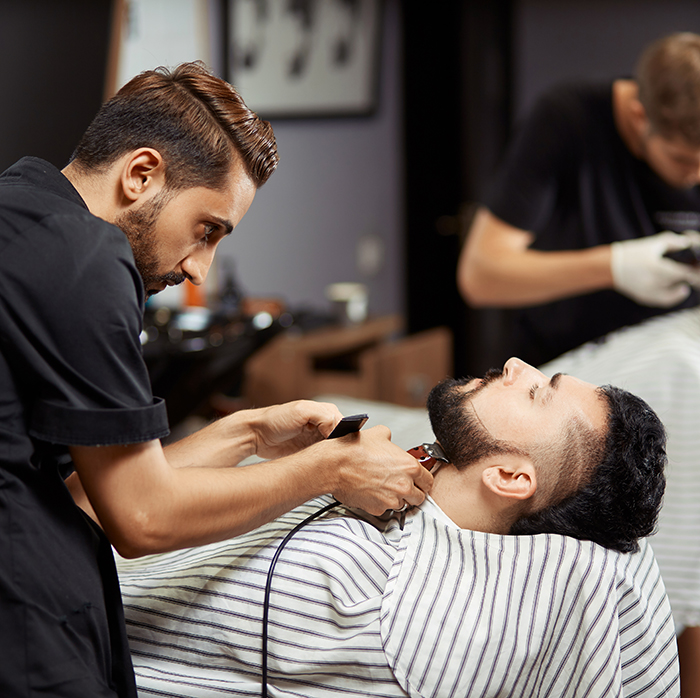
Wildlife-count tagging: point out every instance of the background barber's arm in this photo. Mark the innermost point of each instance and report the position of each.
(497, 268)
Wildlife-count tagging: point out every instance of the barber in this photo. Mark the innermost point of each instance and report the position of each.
(166, 170)
(599, 183)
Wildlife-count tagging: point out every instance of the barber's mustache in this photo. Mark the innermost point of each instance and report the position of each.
(172, 278)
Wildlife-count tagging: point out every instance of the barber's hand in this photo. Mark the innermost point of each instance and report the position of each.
(281, 430)
(641, 272)
(374, 474)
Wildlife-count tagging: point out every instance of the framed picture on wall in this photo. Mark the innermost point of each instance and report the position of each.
(305, 58)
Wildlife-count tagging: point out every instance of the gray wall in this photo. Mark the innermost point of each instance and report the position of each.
(339, 181)
(592, 39)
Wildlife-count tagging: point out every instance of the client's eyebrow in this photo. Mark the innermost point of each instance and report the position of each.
(553, 385)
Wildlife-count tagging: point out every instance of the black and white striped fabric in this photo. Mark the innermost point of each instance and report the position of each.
(659, 360)
(360, 608)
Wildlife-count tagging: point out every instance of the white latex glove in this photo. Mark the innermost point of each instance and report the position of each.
(641, 272)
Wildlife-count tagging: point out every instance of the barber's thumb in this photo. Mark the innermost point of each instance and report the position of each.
(673, 295)
(692, 275)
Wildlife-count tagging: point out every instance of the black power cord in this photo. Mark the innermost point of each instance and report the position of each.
(268, 586)
(346, 425)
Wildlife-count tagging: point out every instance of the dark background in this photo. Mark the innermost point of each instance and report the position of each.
(54, 62)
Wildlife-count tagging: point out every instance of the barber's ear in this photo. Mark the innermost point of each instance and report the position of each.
(143, 173)
(511, 477)
(639, 116)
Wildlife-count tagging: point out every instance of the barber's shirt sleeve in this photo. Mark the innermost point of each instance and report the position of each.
(545, 146)
(75, 315)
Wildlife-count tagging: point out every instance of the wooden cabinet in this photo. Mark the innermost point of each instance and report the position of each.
(373, 361)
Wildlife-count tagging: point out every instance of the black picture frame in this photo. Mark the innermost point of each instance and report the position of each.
(305, 58)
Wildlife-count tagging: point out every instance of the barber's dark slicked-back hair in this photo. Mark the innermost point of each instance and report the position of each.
(193, 118)
(668, 76)
(621, 502)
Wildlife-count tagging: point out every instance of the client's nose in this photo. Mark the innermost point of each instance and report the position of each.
(515, 368)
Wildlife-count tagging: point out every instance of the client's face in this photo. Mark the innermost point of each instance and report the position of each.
(522, 406)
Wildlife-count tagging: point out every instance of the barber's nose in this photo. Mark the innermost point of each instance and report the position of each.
(196, 266)
(515, 368)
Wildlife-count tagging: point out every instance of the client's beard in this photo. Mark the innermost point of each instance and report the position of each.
(139, 226)
(456, 426)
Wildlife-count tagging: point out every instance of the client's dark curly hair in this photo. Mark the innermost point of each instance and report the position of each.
(621, 501)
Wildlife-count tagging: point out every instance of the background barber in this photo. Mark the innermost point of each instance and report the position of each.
(600, 182)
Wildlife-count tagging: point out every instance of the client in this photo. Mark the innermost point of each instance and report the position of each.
(449, 603)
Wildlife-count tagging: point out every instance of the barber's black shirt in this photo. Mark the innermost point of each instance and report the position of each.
(569, 178)
(71, 373)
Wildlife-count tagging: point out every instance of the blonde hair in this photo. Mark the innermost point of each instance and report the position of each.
(668, 76)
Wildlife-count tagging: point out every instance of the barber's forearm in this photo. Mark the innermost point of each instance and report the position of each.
(498, 268)
(147, 506)
(223, 443)
(532, 277)
(75, 487)
(269, 432)
(204, 505)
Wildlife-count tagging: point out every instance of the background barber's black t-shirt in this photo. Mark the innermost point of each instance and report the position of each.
(569, 179)
(71, 373)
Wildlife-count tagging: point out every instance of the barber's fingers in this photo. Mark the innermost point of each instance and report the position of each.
(692, 237)
(690, 272)
(422, 484)
(668, 297)
(693, 275)
(641, 272)
(283, 429)
(375, 475)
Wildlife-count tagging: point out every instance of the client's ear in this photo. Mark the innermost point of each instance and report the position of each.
(511, 476)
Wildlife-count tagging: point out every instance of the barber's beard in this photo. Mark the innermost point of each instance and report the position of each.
(139, 226)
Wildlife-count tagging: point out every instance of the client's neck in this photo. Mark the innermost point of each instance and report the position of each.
(462, 495)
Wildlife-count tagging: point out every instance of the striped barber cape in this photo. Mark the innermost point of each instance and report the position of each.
(362, 608)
